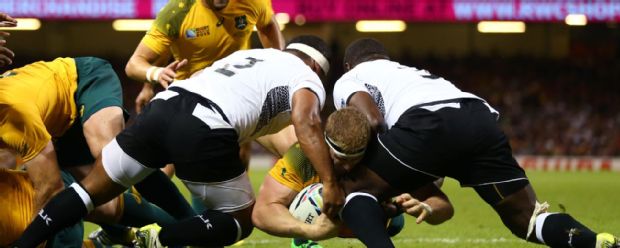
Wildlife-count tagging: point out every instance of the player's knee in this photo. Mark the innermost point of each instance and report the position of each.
(244, 218)
(107, 213)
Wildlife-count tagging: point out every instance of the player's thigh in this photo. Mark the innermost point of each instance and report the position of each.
(102, 127)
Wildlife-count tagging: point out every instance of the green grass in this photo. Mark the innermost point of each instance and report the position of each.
(590, 197)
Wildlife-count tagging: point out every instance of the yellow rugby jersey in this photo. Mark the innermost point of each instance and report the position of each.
(36, 104)
(194, 32)
(294, 170)
(16, 204)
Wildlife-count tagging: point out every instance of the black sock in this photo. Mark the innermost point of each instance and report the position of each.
(561, 230)
(63, 210)
(365, 217)
(159, 189)
(211, 228)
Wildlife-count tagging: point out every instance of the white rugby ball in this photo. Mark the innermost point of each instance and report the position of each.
(308, 203)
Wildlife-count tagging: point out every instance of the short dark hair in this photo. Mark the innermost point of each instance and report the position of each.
(364, 49)
(314, 42)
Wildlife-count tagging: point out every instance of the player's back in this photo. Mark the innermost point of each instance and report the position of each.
(36, 104)
(395, 87)
(254, 88)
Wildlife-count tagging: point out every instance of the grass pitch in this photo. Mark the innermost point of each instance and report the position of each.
(590, 197)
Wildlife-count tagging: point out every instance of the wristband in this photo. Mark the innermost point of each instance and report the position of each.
(152, 74)
(427, 208)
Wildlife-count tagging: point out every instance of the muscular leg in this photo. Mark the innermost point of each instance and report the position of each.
(97, 188)
(211, 228)
(516, 210)
(102, 127)
(553, 229)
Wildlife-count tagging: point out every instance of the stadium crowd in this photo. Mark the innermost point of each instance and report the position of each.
(547, 107)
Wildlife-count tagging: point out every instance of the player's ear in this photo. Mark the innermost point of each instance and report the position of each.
(316, 68)
(347, 66)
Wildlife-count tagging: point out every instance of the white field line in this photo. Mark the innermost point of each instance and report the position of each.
(458, 240)
(418, 240)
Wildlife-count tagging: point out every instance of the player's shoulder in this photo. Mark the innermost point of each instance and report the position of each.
(171, 16)
(299, 163)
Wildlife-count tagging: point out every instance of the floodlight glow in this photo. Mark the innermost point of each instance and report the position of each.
(501, 27)
(132, 24)
(283, 18)
(25, 24)
(576, 20)
(381, 26)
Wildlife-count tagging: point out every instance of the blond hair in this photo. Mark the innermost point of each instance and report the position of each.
(348, 129)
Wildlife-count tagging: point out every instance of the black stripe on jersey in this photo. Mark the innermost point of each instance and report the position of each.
(277, 101)
(376, 95)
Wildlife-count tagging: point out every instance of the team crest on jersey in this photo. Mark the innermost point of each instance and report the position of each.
(241, 22)
(197, 32)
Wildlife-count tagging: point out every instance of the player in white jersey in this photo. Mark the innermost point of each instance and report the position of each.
(197, 124)
(435, 130)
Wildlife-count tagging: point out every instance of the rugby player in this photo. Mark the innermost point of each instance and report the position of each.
(435, 130)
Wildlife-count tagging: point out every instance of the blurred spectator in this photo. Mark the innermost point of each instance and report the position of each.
(548, 107)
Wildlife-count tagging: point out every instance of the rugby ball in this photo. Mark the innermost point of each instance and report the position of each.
(308, 203)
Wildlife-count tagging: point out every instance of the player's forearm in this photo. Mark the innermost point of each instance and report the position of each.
(275, 219)
(270, 35)
(137, 68)
(311, 140)
(45, 176)
(442, 210)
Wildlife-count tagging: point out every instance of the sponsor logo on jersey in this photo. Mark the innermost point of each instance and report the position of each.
(241, 22)
(197, 32)
(190, 33)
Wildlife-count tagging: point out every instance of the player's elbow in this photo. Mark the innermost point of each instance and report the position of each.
(129, 68)
(441, 215)
(258, 218)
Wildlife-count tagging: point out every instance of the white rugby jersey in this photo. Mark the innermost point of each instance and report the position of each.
(254, 88)
(395, 87)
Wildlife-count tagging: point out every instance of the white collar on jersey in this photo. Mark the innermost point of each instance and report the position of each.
(313, 53)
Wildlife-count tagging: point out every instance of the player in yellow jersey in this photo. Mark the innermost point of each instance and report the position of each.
(199, 32)
(195, 33)
(56, 117)
(294, 172)
(17, 204)
(44, 107)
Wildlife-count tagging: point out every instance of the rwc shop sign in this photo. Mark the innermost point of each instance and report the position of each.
(340, 10)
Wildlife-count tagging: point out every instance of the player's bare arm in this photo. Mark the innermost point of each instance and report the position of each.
(428, 204)
(363, 102)
(141, 67)
(44, 172)
(307, 121)
(270, 35)
(271, 214)
(278, 143)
